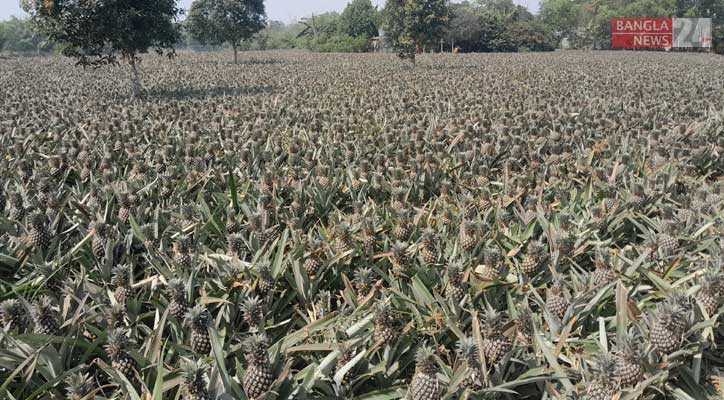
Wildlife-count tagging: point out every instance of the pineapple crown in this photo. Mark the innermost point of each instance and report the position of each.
(78, 386)
(251, 305)
(342, 230)
(536, 248)
(11, 308)
(116, 342)
(399, 249)
(467, 347)
(670, 312)
(455, 269)
(468, 227)
(602, 257)
(383, 313)
(255, 347)
(263, 269)
(363, 275)
(428, 236)
(99, 228)
(42, 308)
(627, 347)
(426, 360)
(121, 274)
(194, 373)
(491, 256)
(604, 367)
(177, 287)
(493, 321)
(38, 219)
(712, 280)
(198, 317)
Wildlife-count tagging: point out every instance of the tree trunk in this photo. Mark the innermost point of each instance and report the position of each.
(135, 77)
(236, 50)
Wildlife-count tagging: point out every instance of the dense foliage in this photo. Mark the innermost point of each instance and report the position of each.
(225, 21)
(411, 25)
(315, 226)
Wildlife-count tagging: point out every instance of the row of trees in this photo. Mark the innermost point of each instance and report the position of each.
(587, 23)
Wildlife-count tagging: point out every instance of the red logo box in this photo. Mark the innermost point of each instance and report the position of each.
(642, 32)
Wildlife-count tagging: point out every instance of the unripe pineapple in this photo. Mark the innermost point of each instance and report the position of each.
(232, 224)
(258, 376)
(265, 281)
(533, 259)
(235, 243)
(425, 384)
(602, 386)
(252, 309)
(99, 231)
(710, 294)
(116, 316)
(363, 281)
(151, 241)
(369, 235)
(345, 355)
(428, 246)
(665, 240)
(665, 326)
(629, 370)
(467, 349)
(493, 265)
(78, 386)
(116, 346)
(403, 228)
(456, 288)
(603, 274)
(384, 322)
(314, 257)
(44, 317)
(556, 302)
(194, 379)
(197, 318)
(39, 235)
(468, 235)
(17, 207)
(124, 211)
(181, 253)
(343, 238)
(178, 305)
(495, 345)
(399, 256)
(13, 315)
(120, 279)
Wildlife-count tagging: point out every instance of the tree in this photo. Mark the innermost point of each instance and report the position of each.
(359, 18)
(95, 32)
(226, 21)
(410, 24)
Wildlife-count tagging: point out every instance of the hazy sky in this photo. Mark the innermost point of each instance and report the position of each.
(283, 10)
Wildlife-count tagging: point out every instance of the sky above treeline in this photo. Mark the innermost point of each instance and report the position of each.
(279, 10)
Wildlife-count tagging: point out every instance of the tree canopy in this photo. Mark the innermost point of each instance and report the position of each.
(226, 21)
(96, 32)
(359, 18)
(411, 24)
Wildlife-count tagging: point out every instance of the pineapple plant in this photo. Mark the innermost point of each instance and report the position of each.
(425, 384)
(194, 380)
(13, 315)
(384, 323)
(178, 306)
(17, 207)
(556, 302)
(363, 281)
(603, 274)
(534, 257)
(45, 317)
(265, 281)
(38, 232)
(78, 386)
(428, 246)
(467, 349)
(182, 253)
(252, 309)
(121, 280)
(314, 257)
(468, 235)
(711, 291)
(495, 344)
(198, 319)
(117, 350)
(628, 369)
(403, 227)
(399, 256)
(666, 326)
(343, 238)
(492, 264)
(456, 287)
(258, 376)
(100, 238)
(603, 384)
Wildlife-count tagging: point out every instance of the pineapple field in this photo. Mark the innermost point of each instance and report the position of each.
(308, 226)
